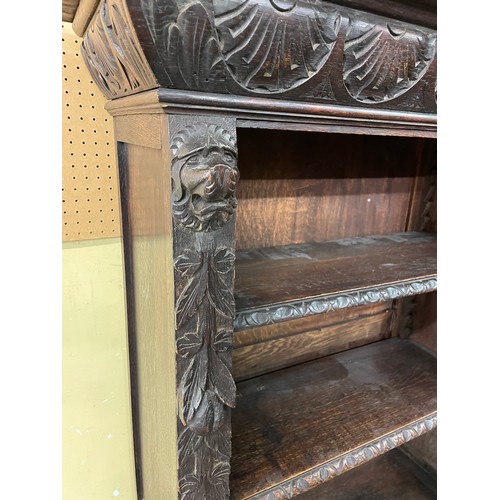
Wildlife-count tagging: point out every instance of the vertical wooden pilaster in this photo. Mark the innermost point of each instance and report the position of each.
(178, 201)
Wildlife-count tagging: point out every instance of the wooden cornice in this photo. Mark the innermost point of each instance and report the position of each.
(291, 51)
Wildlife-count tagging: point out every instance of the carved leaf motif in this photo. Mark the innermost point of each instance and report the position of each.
(277, 45)
(212, 486)
(222, 381)
(189, 344)
(224, 260)
(192, 386)
(216, 443)
(188, 444)
(193, 293)
(113, 54)
(383, 62)
(220, 294)
(188, 263)
(192, 487)
(223, 341)
(185, 39)
(218, 478)
(209, 416)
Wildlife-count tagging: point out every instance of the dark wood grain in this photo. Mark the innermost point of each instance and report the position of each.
(312, 338)
(323, 187)
(287, 422)
(423, 451)
(424, 325)
(421, 12)
(392, 476)
(258, 112)
(273, 331)
(282, 283)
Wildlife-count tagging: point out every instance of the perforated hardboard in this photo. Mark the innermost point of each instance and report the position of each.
(89, 175)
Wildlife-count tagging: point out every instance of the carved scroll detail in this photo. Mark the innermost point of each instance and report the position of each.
(359, 456)
(275, 45)
(382, 62)
(204, 176)
(300, 309)
(113, 55)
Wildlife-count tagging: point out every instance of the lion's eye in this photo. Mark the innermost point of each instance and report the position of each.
(194, 159)
(228, 157)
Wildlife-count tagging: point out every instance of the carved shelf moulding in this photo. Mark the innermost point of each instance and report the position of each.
(381, 62)
(204, 176)
(113, 53)
(328, 303)
(328, 470)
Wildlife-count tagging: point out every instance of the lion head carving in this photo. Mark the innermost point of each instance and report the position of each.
(204, 176)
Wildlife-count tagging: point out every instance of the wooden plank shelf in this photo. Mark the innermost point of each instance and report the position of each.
(294, 281)
(296, 428)
(392, 476)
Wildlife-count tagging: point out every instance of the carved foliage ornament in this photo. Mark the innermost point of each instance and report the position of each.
(113, 54)
(266, 46)
(275, 45)
(204, 176)
(382, 62)
(206, 389)
(185, 38)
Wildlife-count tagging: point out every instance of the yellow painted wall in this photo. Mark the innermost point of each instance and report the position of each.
(97, 428)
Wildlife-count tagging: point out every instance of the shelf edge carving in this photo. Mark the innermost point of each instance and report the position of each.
(300, 309)
(324, 472)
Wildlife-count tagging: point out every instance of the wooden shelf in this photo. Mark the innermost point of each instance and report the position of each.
(296, 428)
(392, 476)
(294, 281)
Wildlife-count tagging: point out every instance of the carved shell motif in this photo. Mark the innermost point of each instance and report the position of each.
(383, 62)
(275, 45)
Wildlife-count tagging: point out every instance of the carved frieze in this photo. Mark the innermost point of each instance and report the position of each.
(383, 61)
(204, 176)
(297, 50)
(113, 53)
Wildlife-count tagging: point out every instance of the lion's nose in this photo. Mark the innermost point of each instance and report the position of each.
(220, 182)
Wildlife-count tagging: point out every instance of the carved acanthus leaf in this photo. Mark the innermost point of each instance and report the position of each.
(382, 62)
(274, 46)
(113, 55)
(185, 39)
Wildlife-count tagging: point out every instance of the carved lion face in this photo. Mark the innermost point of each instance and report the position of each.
(204, 176)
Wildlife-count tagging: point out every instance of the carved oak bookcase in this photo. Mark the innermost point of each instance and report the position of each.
(277, 176)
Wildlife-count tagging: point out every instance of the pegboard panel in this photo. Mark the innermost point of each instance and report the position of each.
(89, 174)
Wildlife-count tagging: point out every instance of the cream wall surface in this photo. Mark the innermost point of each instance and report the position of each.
(98, 460)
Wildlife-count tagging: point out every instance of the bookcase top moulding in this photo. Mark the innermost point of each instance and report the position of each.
(290, 61)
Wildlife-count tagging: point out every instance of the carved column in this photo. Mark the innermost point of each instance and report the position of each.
(204, 175)
(178, 182)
